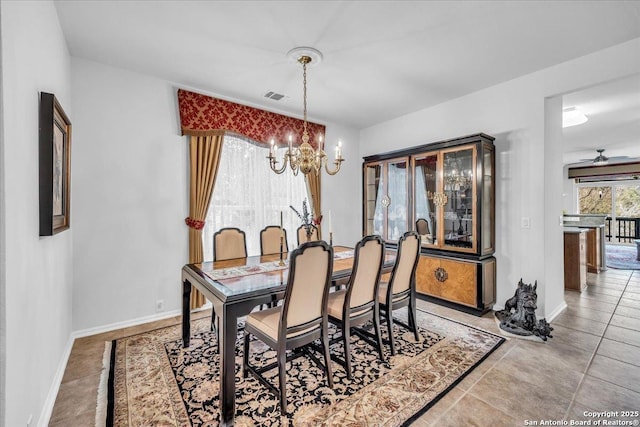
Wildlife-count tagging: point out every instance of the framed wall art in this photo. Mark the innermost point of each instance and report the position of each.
(55, 166)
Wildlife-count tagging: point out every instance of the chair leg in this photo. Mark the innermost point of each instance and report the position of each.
(346, 334)
(412, 318)
(390, 328)
(245, 356)
(376, 326)
(282, 366)
(327, 356)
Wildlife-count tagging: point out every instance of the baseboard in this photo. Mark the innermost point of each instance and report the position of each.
(133, 322)
(555, 312)
(47, 408)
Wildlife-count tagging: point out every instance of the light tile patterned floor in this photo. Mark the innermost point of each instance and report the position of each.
(592, 363)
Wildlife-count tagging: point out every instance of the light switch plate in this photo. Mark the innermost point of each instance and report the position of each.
(525, 222)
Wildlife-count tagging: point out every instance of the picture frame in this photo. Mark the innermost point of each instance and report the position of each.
(54, 165)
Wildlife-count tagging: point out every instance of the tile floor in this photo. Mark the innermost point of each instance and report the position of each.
(592, 363)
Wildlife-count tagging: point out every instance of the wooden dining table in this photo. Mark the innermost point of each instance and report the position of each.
(235, 287)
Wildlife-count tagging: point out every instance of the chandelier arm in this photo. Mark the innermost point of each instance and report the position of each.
(273, 162)
(336, 170)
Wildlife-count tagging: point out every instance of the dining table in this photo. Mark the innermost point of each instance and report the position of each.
(235, 287)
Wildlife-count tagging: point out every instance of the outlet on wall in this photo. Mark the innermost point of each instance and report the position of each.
(159, 305)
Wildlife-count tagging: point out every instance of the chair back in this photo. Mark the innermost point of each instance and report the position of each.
(365, 276)
(270, 240)
(422, 226)
(404, 269)
(305, 299)
(229, 243)
(302, 234)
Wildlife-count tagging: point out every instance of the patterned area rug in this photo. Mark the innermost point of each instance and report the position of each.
(156, 382)
(622, 257)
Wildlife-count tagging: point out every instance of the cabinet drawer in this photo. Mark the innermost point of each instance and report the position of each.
(457, 280)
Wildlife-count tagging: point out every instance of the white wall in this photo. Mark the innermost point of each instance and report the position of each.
(37, 306)
(514, 113)
(341, 193)
(553, 201)
(130, 188)
(131, 195)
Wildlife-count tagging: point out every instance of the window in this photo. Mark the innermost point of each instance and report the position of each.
(249, 195)
(620, 202)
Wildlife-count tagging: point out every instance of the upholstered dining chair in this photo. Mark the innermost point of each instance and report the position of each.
(229, 243)
(358, 302)
(270, 240)
(302, 234)
(400, 291)
(299, 320)
(422, 226)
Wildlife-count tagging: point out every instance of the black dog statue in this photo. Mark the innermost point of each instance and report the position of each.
(519, 314)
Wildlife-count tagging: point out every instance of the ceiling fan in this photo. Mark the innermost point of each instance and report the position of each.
(601, 159)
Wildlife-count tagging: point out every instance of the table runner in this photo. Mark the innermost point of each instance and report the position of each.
(246, 270)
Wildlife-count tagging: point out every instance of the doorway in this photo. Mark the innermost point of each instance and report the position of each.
(621, 203)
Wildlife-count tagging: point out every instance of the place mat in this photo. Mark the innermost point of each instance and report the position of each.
(247, 270)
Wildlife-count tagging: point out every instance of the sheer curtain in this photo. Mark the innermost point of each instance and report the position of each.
(249, 195)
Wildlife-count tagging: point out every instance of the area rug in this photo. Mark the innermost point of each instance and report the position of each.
(622, 257)
(157, 382)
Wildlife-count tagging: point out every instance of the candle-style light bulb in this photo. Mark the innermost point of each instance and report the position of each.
(271, 148)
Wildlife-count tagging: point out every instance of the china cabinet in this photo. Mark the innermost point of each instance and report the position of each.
(445, 191)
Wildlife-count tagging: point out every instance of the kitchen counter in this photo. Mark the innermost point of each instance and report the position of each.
(575, 258)
(596, 248)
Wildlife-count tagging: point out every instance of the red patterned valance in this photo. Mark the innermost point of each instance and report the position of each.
(204, 115)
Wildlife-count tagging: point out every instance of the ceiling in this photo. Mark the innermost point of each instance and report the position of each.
(613, 109)
(381, 59)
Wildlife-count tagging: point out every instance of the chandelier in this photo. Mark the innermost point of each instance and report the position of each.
(456, 178)
(304, 158)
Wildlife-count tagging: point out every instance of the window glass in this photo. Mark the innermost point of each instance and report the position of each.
(248, 195)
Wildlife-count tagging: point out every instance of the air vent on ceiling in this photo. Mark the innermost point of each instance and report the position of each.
(273, 95)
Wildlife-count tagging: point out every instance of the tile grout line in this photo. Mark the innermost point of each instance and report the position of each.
(595, 351)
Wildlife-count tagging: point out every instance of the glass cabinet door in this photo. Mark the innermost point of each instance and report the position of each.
(386, 198)
(458, 187)
(374, 193)
(425, 186)
(488, 211)
(396, 199)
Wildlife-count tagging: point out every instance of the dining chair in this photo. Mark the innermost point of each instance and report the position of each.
(358, 302)
(302, 234)
(299, 320)
(270, 240)
(229, 243)
(400, 291)
(422, 227)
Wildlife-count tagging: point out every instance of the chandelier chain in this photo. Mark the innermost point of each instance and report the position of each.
(304, 158)
(304, 94)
